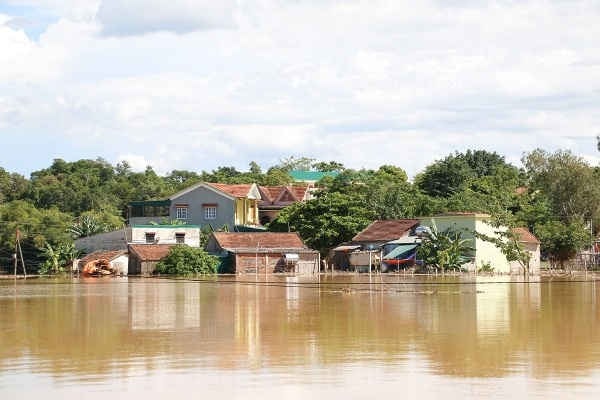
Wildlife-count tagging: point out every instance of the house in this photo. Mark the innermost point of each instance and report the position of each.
(165, 234)
(138, 234)
(276, 198)
(382, 231)
(264, 252)
(144, 257)
(485, 252)
(204, 204)
(376, 240)
(114, 240)
(531, 244)
(311, 177)
(117, 260)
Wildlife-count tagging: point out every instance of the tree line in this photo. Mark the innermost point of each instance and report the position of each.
(555, 195)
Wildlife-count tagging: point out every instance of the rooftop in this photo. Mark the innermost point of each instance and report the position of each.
(311, 176)
(240, 190)
(385, 230)
(150, 252)
(108, 255)
(262, 240)
(524, 235)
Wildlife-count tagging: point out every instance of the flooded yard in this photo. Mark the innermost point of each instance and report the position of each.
(341, 337)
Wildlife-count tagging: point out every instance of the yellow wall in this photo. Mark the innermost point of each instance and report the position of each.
(246, 211)
(488, 252)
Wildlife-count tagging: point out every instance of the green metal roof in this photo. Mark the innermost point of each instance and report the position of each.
(182, 226)
(400, 251)
(155, 203)
(311, 175)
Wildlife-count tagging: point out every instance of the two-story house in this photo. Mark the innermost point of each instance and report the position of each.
(203, 204)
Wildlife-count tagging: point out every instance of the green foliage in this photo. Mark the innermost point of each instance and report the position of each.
(185, 260)
(324, 222)
(445, 250)
(570, 184)
(59, 258)
(93, 222)
(486, 268)
(447, 176)
(561, 241)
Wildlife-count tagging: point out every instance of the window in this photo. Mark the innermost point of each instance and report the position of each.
(150, 237)
(181, 212)
(210, 212)
(180, 238)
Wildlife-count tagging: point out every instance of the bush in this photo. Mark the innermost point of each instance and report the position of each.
(185, 260)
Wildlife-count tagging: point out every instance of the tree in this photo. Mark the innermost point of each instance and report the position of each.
(570, 184)
(447, 176)
(292, 163)
(93, 222)
(58, 258)
(329, 166)
(445, 250)
(561, 241)
(326, 221)
(183, 260)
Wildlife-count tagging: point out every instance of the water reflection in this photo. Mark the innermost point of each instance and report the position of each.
(94, 330)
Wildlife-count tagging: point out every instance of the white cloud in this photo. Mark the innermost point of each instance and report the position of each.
(366, 83)
(134, 17)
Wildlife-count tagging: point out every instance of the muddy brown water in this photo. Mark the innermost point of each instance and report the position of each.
(342, 337)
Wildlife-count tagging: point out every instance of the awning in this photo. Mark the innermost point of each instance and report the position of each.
(402, 251)
(346, 248)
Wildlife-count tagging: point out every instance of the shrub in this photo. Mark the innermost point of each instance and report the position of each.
(185, 260)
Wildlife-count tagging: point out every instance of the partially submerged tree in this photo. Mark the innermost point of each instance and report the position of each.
(185, 260)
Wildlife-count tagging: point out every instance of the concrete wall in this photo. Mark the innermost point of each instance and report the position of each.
(137, 267)
(485, 251)
(202, 195)
(489, 253)
(121, 264)
(115, 240)
(534, 261)
(165, 234)
(247, 263)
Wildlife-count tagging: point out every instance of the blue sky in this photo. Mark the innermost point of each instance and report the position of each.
(195, 84)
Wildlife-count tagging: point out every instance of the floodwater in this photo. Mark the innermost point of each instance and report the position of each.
(342, 337)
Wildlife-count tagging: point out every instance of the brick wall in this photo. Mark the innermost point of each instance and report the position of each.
(247, 263)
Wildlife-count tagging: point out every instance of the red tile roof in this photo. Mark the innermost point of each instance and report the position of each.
(102, 255)
(270, 193)
(524, 236)
(299, 191)
(275, 240)
(385, 230)
(150, 252)
(275, 195)
(241, 190)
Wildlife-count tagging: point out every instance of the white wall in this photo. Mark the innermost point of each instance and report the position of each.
(166, 234)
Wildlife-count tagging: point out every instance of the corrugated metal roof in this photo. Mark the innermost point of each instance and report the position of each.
(400, 252)
(312, 176)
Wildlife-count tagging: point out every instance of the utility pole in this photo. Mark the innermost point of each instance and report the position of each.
(20, 251)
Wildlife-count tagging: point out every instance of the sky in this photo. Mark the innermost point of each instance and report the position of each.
(196, 84)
